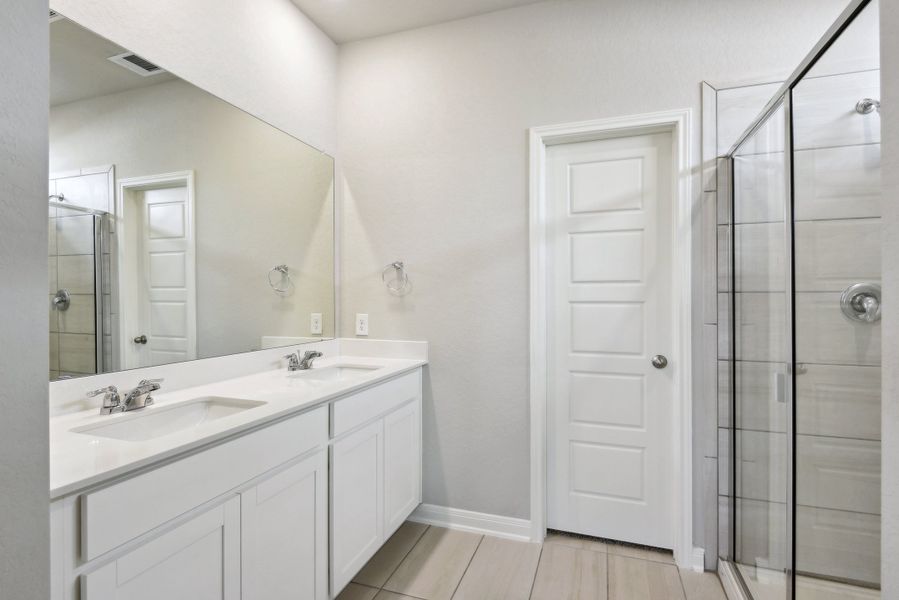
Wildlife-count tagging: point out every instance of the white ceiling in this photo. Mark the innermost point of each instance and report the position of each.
(79, 69)
(350, 20)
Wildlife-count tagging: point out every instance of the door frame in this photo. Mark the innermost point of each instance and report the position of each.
(148, 182)
(678, 123)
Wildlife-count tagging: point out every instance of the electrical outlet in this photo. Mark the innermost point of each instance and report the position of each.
(361, 324)
(315, 323)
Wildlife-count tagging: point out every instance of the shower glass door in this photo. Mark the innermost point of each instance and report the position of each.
(805, 342)
(837, 262)
(761, 351)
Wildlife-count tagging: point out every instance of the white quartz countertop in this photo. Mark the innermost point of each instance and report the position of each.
(82, 460)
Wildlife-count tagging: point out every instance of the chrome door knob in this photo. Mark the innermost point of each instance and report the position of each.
(659, 361)
(141, 339)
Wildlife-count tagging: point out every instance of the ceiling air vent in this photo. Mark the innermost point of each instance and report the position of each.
(55, 16)
(136, 64)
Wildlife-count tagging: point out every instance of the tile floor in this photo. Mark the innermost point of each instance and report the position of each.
(432, 563)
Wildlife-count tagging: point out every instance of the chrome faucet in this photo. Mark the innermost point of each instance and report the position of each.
(135, 399)
(295, 363)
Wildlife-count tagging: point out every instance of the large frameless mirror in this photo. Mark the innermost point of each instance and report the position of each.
(180, 227)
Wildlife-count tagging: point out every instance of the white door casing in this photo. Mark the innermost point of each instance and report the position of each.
(157, 269)
(609, 269)
(678, 305)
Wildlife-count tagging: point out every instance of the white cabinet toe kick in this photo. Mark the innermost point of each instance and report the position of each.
(291, 510)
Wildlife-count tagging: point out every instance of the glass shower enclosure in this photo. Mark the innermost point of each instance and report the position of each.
(804, 310)
(80, 291)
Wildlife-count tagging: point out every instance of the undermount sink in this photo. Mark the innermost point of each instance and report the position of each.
(154, 422)
(333, 373)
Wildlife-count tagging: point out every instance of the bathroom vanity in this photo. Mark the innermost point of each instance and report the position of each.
(271, 485)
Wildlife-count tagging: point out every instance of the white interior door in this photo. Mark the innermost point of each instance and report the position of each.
(609, 415)
(166, 287)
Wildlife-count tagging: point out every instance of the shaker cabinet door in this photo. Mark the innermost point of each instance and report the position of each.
(402, 465)
(198, 560)
(357, 524)
(284, 534)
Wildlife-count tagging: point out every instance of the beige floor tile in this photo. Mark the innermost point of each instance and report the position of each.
(376, 572)
(641, 553)
(567, 573)
(635, 579)
(576, 542)
(434, 567)
(386, 595)
(702, 586)
(354, 591)
(500, 570)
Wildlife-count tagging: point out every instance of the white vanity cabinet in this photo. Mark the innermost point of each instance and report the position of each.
(246, 518)
(251, 517)
(375, 471)
(198, 559)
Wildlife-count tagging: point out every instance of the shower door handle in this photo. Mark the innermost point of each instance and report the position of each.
(141, 339)
(780, 388)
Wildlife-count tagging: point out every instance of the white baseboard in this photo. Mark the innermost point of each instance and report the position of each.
(697, 562)
(467, 520)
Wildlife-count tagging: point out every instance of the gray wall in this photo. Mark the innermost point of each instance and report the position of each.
(889, 85)
(432, 139)
(24, 477)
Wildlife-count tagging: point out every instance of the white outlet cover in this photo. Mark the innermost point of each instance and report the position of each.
(315, 323)
(361, 324)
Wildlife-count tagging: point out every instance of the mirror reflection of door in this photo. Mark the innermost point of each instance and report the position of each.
(158, 270)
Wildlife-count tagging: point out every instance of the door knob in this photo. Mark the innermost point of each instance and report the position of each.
(141, 339)
(659, 361)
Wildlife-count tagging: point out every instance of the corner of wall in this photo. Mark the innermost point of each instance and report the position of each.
(24, 359)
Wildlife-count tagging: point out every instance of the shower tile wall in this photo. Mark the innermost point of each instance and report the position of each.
(837, 182)
(837, 209)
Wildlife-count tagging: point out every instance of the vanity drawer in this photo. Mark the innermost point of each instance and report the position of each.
(361, 408)
(119, 513)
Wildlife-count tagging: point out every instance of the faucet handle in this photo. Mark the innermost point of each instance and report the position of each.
(151, 381)
(110, 389)
(112, 401)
